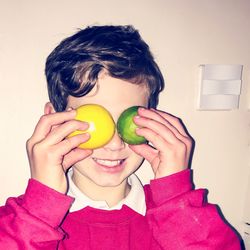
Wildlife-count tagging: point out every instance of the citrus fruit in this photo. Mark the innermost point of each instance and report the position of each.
(101, 125)
(126, 126)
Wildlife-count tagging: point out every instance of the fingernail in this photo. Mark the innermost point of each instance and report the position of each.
(142, 108)
(87, 135)
(137, 118)
(84, 125)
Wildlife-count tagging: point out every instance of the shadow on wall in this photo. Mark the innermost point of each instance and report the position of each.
(243, 247)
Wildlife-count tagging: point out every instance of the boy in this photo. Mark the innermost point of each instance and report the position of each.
(90, 199)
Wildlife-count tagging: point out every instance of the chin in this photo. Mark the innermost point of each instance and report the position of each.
(108, 183)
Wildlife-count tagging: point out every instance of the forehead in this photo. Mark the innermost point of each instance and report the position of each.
(114, 94)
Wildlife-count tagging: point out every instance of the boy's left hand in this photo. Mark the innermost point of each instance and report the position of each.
(171, 144)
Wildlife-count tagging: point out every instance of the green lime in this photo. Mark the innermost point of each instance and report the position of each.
(126, 126)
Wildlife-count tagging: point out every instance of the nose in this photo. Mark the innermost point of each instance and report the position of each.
(116, 143)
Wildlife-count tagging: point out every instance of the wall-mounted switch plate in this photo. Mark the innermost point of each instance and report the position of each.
(220, 87)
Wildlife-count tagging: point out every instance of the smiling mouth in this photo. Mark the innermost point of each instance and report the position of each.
(109, 163)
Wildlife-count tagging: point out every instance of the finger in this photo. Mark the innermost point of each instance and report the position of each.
(179, 149)
(152, 115)
(145, 151)
(55, 126)
(175, 121)
(170, 121)
(70, 143)
(157, 128)
(75, 156)
(157, 140)
(47, 122)
(63, 130)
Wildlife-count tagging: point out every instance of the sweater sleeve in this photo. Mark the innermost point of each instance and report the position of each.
(32, 221)
(181, 218)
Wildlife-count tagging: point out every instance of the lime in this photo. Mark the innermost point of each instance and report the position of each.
(101, 125)
(126, 126)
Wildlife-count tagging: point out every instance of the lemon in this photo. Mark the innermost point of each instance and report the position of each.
(101, 125)
(126, 126)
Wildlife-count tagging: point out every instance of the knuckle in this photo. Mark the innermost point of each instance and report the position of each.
(65, 163)
(157, 137)
(36, 148)
(74, 124)
(182, 146)
(188, 141)
(29, 144)
(176, 119)
(70, 143)
(40, 149)
(151, 123)
(44, 119)
(67, 142)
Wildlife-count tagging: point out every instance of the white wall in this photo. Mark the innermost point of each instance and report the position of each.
(182, 35)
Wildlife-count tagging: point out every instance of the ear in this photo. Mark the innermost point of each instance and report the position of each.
(48, 108)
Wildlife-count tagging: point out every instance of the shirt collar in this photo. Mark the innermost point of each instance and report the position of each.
(134, 200)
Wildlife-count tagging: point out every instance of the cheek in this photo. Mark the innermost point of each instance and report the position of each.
(135, 160)
(83, 164)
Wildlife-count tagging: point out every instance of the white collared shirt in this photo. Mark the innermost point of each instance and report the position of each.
(134, 200)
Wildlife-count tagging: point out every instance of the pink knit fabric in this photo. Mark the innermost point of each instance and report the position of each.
(177, 218)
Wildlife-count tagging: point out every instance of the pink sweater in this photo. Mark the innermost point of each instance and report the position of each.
(177, 218)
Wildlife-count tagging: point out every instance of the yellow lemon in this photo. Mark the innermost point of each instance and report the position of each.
(101, 125)
(126, 126)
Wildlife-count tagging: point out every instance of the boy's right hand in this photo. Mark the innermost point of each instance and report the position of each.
(51, 153)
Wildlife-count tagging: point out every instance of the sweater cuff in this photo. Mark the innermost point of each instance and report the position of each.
(171, 186)
(46, 203)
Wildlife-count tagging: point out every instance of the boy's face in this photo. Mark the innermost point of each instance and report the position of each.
(110, 165)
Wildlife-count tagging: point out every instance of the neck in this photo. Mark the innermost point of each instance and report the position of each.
(112, 195)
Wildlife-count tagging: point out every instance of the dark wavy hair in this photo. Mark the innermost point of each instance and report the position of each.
(73, 66)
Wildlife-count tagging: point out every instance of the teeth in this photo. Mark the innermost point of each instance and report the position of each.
(108, 163)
